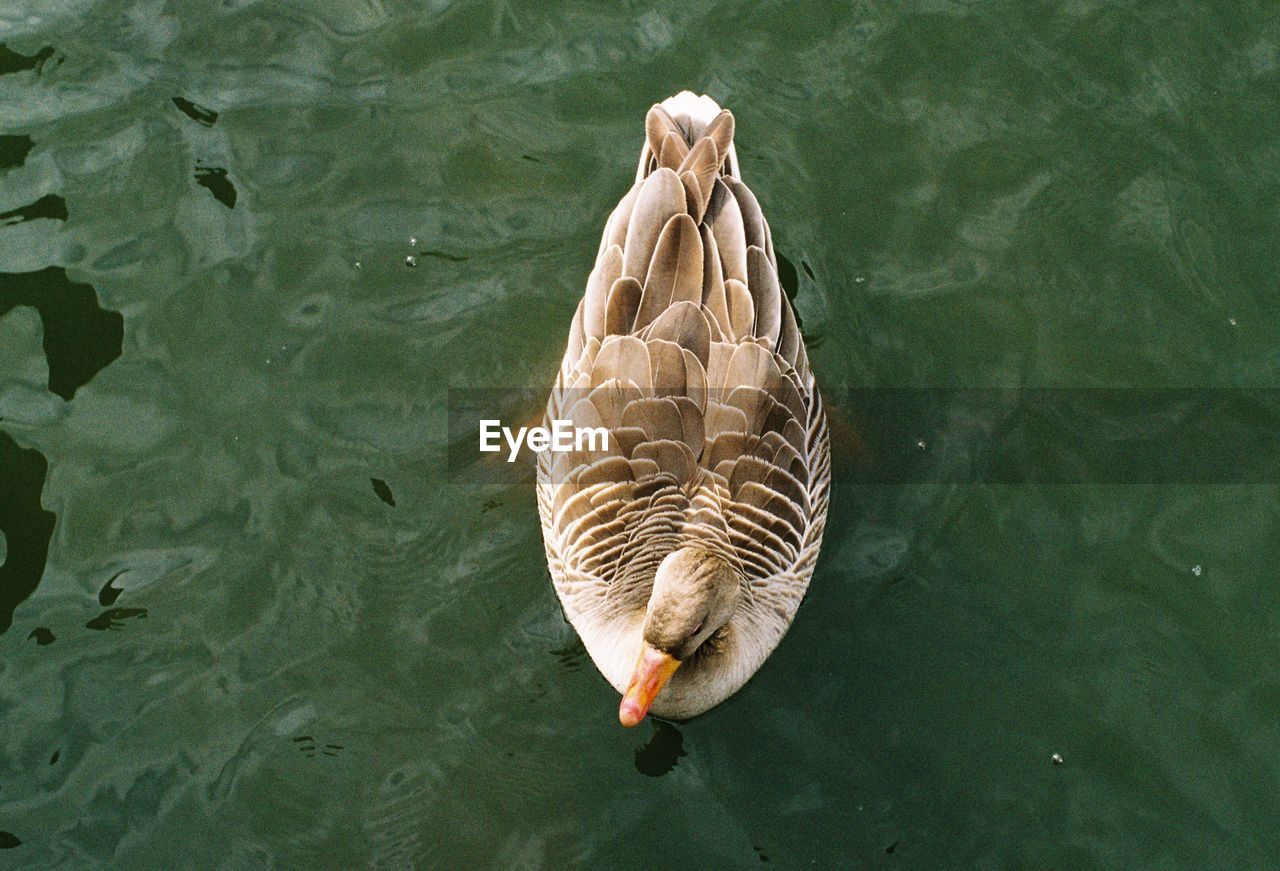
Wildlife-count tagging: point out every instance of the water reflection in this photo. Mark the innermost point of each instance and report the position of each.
(13, 62)
(80, 337)
(14, 149)
(49, 206)
(195, 111)
(27, 526)
(109, 593)
(662, 751)
(215, 179)
(383, 491)
(114, 618)
(308, 746)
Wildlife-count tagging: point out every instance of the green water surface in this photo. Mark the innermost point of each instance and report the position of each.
(253, 616)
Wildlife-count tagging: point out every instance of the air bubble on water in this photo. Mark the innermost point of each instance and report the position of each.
(1197, 570)
(411, 261)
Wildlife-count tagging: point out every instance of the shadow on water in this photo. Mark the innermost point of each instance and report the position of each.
(789, 280)
(14, 150)
(110, 592)
(309, 747)
(196, 112)
(212, 178)
(383, 491)
(49, 206)
(113, 618)
(572, 654)
(80, 337)
(215, 179)
(27, 526)
(787, 276)
(662, 751)
(13, 62)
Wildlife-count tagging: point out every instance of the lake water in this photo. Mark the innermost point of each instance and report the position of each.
(255, 615)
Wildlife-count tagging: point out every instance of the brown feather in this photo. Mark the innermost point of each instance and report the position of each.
(674, 150)
(742, 309)
(674, 458)
(713, 282)
(621, 305)
(685, 324)
(657, 124)
(661, 197)
(611, 400)
(595, 302)
(752, 217)
(720, 132)
(622, 357)
(762, 281)
(667, 367)
(789, 340)
(704, 162)
(675, 272)
(725, 219)
(657, 416)
(695, 378)
(615, 231)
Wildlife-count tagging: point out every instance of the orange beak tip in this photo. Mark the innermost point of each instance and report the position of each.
(653, 669)
(630, 714)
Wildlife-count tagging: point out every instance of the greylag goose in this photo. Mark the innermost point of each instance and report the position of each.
(681, 549)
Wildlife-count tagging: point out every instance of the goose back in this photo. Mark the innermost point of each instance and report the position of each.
(686, 350)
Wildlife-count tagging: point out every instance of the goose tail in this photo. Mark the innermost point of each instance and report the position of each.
(687, 118)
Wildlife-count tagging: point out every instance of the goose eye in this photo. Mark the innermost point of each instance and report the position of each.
(696, 629)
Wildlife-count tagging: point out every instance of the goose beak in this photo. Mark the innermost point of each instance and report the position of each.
(653, 669)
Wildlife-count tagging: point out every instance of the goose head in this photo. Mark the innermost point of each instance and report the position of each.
(695, 593)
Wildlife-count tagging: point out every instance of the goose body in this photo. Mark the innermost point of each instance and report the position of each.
(681, 550)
